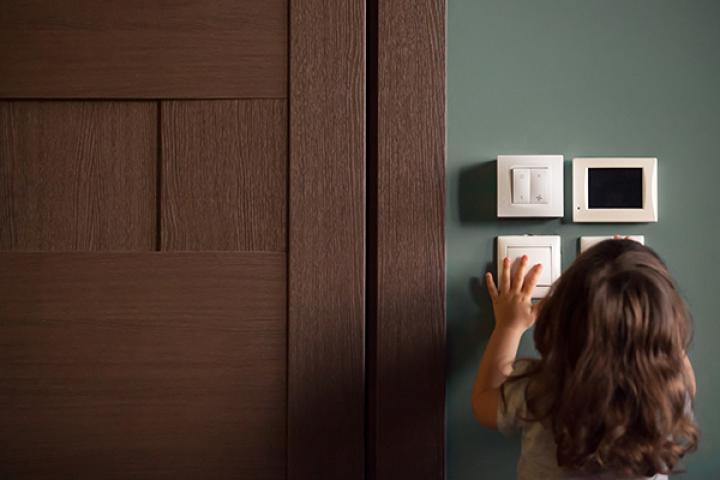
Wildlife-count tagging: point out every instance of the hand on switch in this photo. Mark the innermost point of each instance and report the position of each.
(512, 303)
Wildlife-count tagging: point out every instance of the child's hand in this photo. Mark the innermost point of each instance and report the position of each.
(512, 304)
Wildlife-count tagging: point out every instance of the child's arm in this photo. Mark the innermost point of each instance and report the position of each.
(514, 314)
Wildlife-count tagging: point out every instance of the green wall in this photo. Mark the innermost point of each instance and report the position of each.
(581, 78)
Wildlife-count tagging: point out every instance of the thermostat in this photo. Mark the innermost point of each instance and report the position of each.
(615, 190)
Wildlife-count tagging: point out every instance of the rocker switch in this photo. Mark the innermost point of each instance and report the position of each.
(521, 185)
(540, 186)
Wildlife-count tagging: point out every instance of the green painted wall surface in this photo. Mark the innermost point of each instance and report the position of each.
(581, 78)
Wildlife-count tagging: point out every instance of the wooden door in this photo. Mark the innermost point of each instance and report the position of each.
(182, 239)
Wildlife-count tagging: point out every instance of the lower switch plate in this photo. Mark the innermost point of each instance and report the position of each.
(543, 249)
(587, 242)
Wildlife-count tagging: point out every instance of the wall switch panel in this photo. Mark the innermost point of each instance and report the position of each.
(587, 242)
(544, 249)
(530, 185)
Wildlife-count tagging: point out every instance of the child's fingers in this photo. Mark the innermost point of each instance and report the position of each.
(492, 289)
(505, 278)
(517, 281)
(531, 279)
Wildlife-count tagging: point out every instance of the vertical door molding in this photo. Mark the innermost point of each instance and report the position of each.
(326, 313)
(406, 265)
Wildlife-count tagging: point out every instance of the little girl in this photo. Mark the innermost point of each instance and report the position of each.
(611, 394)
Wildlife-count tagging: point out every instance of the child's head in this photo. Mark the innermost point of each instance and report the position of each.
(612, 379)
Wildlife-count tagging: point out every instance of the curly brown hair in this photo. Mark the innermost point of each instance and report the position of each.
(612, 382)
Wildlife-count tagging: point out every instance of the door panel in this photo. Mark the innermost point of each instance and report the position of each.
(235, 349)
(77, 176)
(118, 365)
(224, 175)
(143, 49)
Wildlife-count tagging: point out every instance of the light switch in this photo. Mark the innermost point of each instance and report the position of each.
(535, 255)
(543, 249)
(521, 185)
(530, 186)
(540, 185)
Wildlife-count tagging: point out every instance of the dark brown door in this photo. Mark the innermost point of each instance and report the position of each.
(181, 239)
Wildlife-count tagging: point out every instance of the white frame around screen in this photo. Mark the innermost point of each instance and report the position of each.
(581, 212)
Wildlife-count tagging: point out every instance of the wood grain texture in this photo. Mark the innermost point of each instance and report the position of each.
(141, 49)
(224, 175)
(407, 313)
(77, 176)
(326, 221)
(142, 365)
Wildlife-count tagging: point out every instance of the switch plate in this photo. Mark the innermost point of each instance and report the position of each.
(548, 186)
(587, 242)
(543, 249)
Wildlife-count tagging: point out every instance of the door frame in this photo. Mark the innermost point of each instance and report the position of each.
(326, 267)
(366, 284)
(406, 240)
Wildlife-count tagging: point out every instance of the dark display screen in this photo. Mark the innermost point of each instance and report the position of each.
(615, 188)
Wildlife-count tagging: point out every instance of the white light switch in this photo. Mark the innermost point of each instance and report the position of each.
(530, 185)
(521, 185)
(542, 255)
(587, 242)
(543, 249)
(540, 185)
